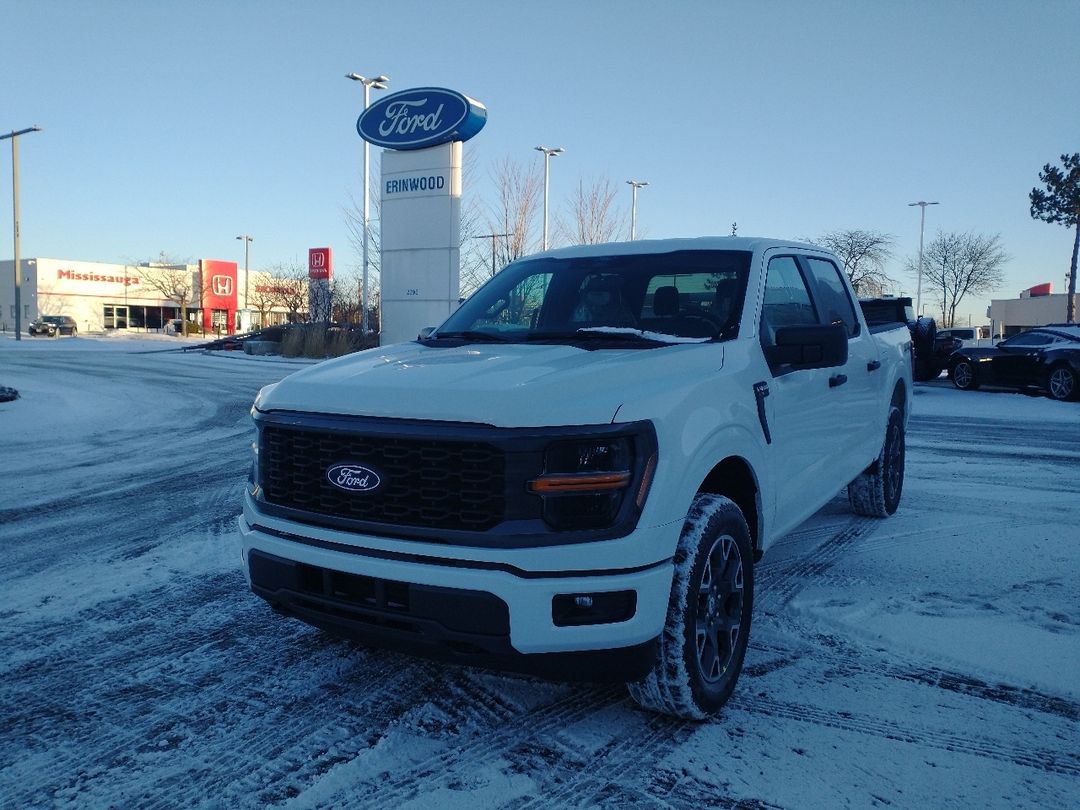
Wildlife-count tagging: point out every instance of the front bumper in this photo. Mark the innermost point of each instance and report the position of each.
(479, 614)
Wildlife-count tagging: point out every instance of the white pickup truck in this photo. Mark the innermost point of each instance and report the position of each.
(574, 475)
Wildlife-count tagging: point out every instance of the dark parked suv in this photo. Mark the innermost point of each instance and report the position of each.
(53, 325)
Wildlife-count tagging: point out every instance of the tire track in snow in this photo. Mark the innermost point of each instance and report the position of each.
(831, 653)
(777, 584)
(1003, 751)
(393, 789)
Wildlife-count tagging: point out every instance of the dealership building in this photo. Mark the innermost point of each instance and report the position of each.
(1035, 306)
(106, 297)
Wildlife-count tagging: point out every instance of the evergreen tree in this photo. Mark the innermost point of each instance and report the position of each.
(1059, 202)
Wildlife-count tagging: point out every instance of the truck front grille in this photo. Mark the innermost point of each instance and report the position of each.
(453, 485)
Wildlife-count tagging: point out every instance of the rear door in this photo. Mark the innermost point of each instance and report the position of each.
(855, 388)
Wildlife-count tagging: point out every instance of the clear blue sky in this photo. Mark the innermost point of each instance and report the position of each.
(176, 126)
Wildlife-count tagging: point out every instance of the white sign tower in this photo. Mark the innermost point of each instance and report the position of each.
(420, 203)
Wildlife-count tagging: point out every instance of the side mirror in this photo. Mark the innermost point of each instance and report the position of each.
(809, 347)
(425, 333)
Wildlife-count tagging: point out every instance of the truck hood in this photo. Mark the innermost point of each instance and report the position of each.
(505, 385)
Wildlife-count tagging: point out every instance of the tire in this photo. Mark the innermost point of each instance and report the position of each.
(74, 331)
(963, 376)
(1061, 383)
(701, 649)
(922, 336)
(925, 370)
(876, 491)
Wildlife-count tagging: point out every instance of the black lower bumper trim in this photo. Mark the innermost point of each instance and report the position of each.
(447, 624)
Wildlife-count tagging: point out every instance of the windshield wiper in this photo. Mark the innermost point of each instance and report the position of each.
(471, 335)
(580, 335)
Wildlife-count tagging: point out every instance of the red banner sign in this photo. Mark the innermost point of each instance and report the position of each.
(219, 286)
(320, 263)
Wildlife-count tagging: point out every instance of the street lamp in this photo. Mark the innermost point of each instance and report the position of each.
(492, 237)
(247, 244)
(922, 224)
(547, 159)
(379, 83)
(635, 185)
(15, 215)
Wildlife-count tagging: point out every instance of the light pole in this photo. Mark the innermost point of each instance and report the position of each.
(15, 215)
(492, 237)
(379, 83)
(922, 225)
(635, 185)
(548, 153)
(247, 244)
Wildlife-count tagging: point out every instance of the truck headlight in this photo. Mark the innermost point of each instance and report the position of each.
(585, 482)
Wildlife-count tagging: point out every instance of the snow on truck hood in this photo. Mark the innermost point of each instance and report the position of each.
(505, 385)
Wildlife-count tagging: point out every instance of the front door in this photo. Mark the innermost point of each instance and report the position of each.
(799, 402)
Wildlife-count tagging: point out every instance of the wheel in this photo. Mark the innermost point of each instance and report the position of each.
(925, 370)
(74, 331)
(876, 491)
(1061, 383)
(963, 376)
(922, 336)
(701, 649)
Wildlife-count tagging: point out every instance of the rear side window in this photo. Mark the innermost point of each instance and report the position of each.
(832, 296)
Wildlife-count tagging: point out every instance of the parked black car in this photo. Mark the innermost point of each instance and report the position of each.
(1044, 359)
(52, 325)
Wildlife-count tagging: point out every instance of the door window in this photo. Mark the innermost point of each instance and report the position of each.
(832, 295)
(787, 299)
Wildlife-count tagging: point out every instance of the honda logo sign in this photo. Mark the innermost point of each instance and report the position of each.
(221, 285)
(320, 261)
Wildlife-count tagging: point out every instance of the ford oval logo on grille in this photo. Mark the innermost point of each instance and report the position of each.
(353, 477)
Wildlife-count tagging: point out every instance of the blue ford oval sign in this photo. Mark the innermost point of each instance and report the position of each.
(419, 118)
(353, 477)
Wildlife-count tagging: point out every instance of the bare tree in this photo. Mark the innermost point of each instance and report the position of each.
(956, 264)
(593, 218)
(291, 285)
(512, 218)
(173, 279)
(262, 294)
(354, 223)
(863, 255)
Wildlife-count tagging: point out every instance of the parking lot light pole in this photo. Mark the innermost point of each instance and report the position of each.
(15, 215)
(379, 83)
(922, 225)
(548, 153)
(492, 237)
(247, 244)
(635, 185)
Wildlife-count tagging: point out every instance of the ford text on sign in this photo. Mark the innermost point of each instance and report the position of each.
(419, 118)
(320, 262)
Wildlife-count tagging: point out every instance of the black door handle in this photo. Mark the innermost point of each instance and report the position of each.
(838, 380)
(873, 365)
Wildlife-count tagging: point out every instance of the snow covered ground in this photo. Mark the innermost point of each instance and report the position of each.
(928, 660)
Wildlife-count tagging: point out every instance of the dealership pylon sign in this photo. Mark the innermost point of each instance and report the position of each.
(320, 271)
(420, 194)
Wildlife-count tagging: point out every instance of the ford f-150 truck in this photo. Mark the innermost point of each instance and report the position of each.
(574, 475)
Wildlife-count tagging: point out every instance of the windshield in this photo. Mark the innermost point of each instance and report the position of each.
(655, 297)
(56, 319)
